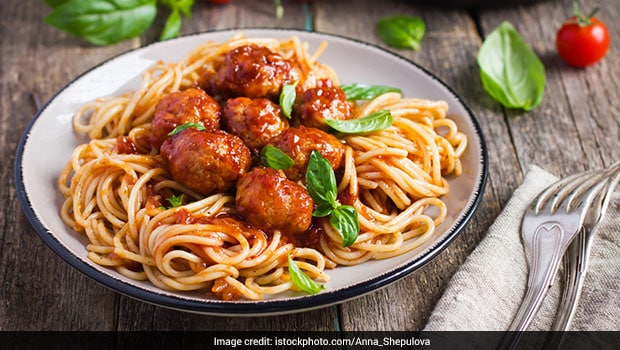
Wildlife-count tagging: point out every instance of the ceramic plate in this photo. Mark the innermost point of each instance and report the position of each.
(49, 140)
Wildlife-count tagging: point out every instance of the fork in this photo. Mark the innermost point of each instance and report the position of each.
(549, 225)
(576, 258)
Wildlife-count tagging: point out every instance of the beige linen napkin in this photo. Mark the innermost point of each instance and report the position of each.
(486, 291)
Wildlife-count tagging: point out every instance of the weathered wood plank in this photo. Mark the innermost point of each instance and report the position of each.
(40, 291)
(138, 316)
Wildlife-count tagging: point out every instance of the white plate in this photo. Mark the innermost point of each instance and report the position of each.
(49, 140)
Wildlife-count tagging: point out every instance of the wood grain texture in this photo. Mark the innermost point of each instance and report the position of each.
(576, 127)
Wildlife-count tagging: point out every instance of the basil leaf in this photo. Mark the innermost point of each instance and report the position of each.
(401, 31)
(323, 209)
(172, 28)
(301, 280)
(510, 70)
(359, 91)
(321, 181)
(321, 185)
(182, 127)
(373, 122)
(287, 98)
(103, 22)
(175, 201)
(183, 6)
(275, 158)
(345, 221)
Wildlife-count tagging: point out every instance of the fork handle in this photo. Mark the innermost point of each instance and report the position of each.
(575, 268)
(574, 272)
(542, 271)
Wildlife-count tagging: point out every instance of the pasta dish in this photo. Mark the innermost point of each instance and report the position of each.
(247, 169)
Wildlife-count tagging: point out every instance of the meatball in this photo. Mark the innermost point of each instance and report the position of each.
(322, 102)
(254, 121)
(252, 71)
(299, 143)
(270, 201)
(187, 106)
(206, 161)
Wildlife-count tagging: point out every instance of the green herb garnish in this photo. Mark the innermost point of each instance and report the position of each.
(172, 28)
(321, 185)
(275, 158)
(173, 201)
(373, 122)
(287, 98)
(185, 126)
(301, 280)
(510, 70)
(401, 31)
(344, 219)
(358, 91)
(105, 22)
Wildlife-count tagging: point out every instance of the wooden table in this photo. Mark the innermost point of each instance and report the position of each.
(576, 127)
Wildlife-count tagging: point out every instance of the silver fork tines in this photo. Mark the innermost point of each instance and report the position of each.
(576, 259)
(549, 225)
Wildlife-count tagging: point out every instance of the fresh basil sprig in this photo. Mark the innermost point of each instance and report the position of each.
(185, 126)
(321, 185)
(105, 22)
(172, 28)
(275, 158)
(173, 201)
(373, 122)
(401, 31)
(301, 280)
(344, 219)
(510, 70)
(358, 91)
(287, 98)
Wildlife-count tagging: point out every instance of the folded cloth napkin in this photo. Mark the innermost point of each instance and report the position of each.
(485, 293)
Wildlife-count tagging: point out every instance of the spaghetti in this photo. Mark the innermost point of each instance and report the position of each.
(116, 185)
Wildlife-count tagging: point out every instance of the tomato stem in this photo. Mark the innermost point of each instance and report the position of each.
(582, 20)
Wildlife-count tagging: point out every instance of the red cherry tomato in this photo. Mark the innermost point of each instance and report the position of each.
(219, 2)
(582, 41)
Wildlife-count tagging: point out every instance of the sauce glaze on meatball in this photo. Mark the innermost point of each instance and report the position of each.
(187, 106)
(324, 101)
(270, 201)
(299, 143)
(206, 161)
(254, 121)
(252, 71)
